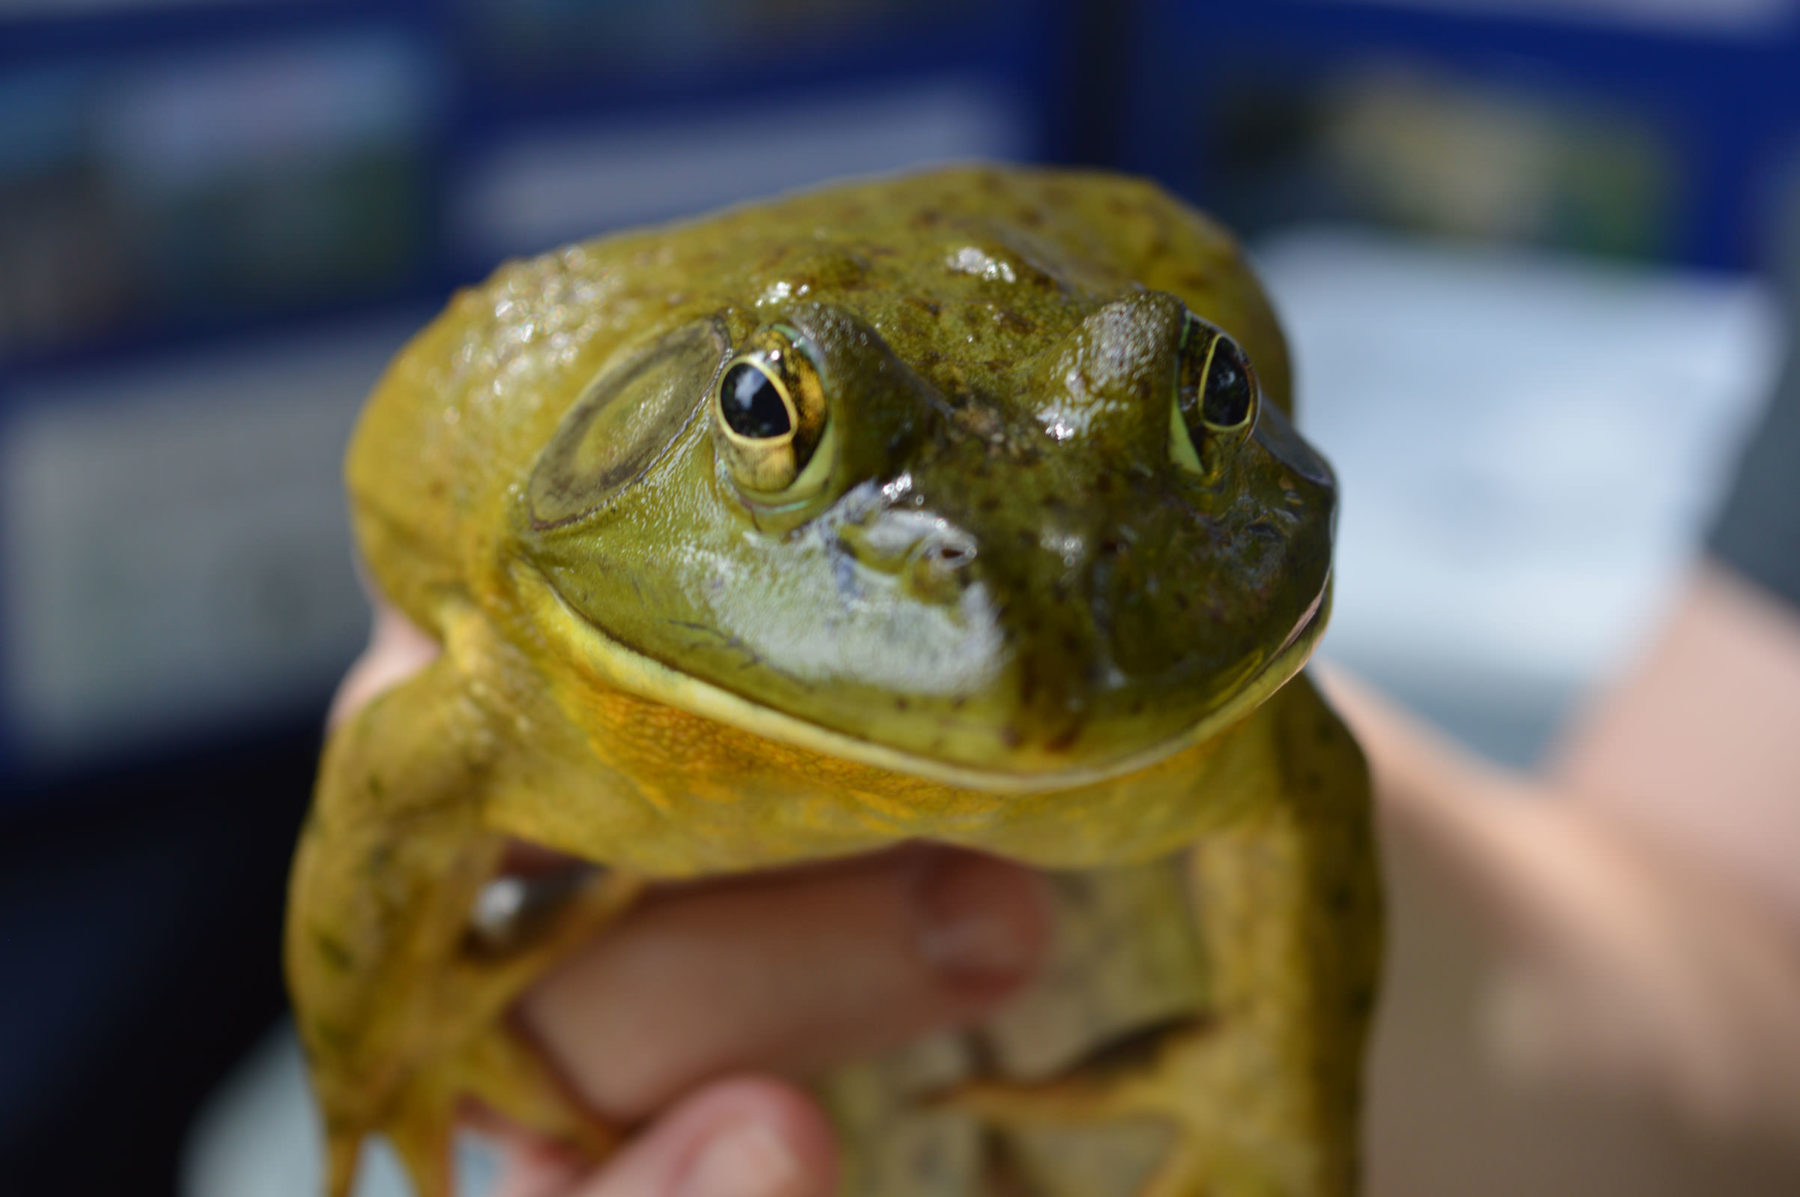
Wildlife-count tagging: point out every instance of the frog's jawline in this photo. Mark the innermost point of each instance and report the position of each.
(628, 670)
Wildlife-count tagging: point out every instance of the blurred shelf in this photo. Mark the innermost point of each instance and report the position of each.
(1725, 101)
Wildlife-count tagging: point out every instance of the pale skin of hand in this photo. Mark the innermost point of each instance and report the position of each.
(1640, 896)
(694, 1016)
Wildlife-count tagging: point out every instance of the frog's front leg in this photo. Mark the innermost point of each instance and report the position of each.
(400, 1009)
(1262, 1089)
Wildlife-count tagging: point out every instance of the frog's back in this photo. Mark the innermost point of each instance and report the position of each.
(449, 436)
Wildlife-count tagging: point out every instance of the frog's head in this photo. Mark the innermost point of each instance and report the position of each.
(958, 513)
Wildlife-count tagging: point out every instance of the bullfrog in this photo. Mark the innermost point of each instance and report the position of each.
(964, 507)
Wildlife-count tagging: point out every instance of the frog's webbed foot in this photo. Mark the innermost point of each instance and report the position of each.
(1219, 1146)
(505, 1074)
(478, 1056)
(400, 987)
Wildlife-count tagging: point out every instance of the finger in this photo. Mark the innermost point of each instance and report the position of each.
(744, 1137)
(747, 1137)
(788, 973)
(398, 648)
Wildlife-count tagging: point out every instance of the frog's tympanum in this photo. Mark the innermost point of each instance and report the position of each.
(965, 508)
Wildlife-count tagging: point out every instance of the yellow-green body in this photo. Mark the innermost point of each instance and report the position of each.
(988, 595)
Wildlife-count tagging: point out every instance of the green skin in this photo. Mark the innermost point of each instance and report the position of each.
(1013, 582)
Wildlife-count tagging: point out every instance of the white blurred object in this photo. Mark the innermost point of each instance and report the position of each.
(1529, 447)
(176, 549)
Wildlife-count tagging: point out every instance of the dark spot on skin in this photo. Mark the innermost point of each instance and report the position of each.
(958, 703)
(1002, 1174)
(926, 305)
(1028, 683)
(327, 1035)
(1180, 600)
(1011, 736)
(1362, 1002)
(1031, 218)
(1012, 322)
(1063, 740)
(927, 218)
(902, 704)
(333, 951)
(1339, 899)
(376, 787)
(1070, 644)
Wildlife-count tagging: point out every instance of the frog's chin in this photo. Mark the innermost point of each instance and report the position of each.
(628, 670)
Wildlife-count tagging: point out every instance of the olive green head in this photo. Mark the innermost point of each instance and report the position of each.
(948, 482)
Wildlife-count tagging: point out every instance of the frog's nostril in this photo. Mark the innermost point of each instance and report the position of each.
(938, 569)
(944, 555)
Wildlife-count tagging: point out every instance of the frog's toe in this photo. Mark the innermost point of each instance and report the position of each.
(1178, 1080)
(342, 1149)
(420, 1130)
(505, 1073)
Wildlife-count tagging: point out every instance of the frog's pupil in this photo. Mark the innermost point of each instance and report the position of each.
(751, 403)
(1227, 398)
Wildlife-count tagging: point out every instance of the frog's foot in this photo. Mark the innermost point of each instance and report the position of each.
(464, 1048)
(506, 1075)
(498, 1069)
(1183, 1077)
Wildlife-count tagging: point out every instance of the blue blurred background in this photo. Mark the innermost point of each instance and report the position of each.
(1522, 247)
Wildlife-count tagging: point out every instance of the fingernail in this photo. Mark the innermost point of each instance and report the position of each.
(749, 1160)
(980, 919)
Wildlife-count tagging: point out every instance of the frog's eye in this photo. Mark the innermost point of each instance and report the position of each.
(754, 404)
(768, 411)
(1216, 398)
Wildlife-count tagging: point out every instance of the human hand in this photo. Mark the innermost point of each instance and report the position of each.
(692, 1018)
(699, 1008)
(1615, 961)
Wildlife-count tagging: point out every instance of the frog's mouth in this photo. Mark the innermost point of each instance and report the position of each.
(621, 667)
